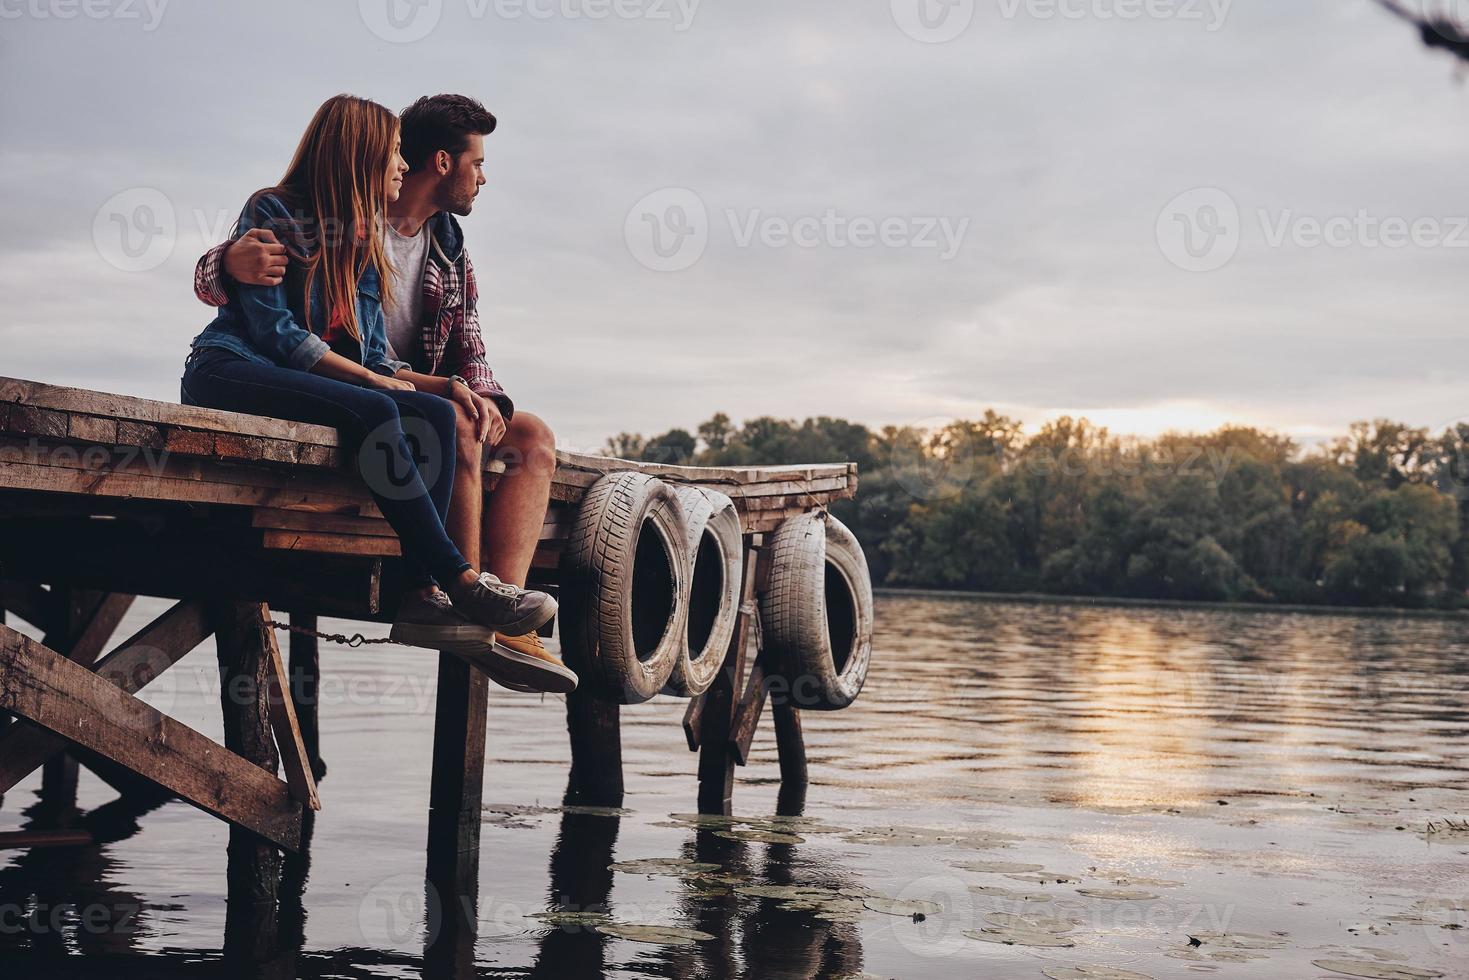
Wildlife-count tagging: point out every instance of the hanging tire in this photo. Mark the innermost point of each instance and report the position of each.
(715, 549)
(624, 587)
(816, 613)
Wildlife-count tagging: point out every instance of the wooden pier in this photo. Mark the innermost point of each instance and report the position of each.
(239, 519)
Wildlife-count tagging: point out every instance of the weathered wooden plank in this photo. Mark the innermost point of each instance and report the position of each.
(130, 667)
(31, 421)
(45, 838)
(143, 434)
(283, 722)
(255, 449)
(57, 479)
(90, 428)
(331, 544)
(293, 520)
(59, 398)
(46, 688)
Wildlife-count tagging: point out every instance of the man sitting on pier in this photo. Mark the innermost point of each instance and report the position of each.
(434, 326)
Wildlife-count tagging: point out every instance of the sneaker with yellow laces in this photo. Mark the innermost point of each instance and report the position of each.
(522, 663)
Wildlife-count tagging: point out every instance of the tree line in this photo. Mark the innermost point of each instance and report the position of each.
(1375, 517)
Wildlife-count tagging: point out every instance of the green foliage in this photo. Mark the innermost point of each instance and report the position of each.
(1375, 517)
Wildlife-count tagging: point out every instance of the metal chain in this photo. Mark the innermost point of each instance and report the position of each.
(355, 640)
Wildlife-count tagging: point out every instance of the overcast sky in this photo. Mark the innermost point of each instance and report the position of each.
(862, 208)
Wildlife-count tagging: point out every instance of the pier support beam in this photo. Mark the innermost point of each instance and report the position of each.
(306, 688)
(595, 727)
(455, 796)
(716, 717)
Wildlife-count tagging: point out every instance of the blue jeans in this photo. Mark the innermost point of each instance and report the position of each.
(411, 485)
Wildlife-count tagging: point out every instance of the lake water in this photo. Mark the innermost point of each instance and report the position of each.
(1082, 791)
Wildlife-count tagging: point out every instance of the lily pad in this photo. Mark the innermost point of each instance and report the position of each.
(1118, 894)
(596, 811)
(995, 891)
(1241, 940)
(566, 917)
(662, 935)
(760, 836)
(1376, 971)
(662, 866)
(1020, 937)
(999, 867)
(1091, 973)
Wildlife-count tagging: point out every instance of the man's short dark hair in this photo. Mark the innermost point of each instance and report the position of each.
(441, 122)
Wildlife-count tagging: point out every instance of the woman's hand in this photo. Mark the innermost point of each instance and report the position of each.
(383, 382)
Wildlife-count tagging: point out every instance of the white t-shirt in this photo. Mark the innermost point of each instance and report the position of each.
(407, 257)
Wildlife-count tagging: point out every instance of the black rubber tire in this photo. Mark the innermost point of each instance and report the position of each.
(624, 587)
(816, 613)
(716, 560)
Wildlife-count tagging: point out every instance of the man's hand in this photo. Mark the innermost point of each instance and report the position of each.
(489, 423)
(256, 259)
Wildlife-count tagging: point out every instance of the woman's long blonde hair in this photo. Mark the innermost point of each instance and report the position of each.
(340, 174)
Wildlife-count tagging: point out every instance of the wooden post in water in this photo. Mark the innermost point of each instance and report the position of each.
(595, 727)
(253, 876)
(716, 754)
(84, 622)
(306, 687)
(455, 794)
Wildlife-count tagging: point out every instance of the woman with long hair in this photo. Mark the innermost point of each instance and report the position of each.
(313, 348)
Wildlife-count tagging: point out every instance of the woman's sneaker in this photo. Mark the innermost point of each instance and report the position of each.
(501, 607)
(432, 622)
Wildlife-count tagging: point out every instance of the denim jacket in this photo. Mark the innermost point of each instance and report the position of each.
(264, 324)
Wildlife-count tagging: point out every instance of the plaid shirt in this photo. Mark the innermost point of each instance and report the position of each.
(450, 334)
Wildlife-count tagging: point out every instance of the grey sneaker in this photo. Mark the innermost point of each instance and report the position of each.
(433, 622)
(501, 607)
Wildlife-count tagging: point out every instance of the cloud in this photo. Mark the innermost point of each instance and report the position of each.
(1059, 141)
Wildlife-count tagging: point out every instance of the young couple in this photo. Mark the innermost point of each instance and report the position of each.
(346, 299)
